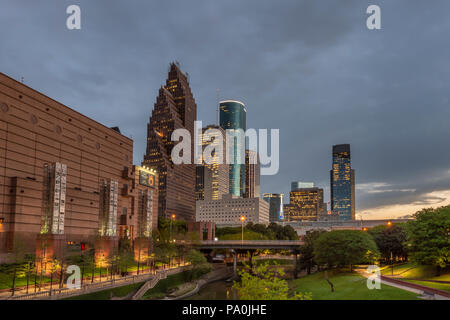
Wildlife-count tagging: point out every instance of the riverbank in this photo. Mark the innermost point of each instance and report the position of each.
(220, 273)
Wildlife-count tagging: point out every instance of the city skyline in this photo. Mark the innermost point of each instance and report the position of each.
(322, 65)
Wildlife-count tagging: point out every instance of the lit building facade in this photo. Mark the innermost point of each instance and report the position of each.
(276, 207)
(306, 204)
(65, 179)
(212, 176)
(342, 183)
(252, 175)
(230, 209)
(233, 118)
(175, 108)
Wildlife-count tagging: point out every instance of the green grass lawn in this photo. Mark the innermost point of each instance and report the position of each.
(347, 286)
(6, 280)
(248, 235)
(435, 285)
(106, 294)
(411, 270)
(414, 271)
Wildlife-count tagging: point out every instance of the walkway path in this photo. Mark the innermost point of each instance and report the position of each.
(60, 293)
(426, 292)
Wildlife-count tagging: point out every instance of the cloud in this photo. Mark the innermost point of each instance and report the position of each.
(309, 68)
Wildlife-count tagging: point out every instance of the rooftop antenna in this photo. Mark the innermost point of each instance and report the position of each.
(217, 111)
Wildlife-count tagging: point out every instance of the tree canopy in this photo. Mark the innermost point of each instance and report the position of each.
(429, 237)
(339, 248)
(265, 283)
(390, 240)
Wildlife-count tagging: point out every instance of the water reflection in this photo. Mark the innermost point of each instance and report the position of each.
(219, 290)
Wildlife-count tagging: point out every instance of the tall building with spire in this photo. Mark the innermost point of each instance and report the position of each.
(232, 116)
(342, 183)
(175, 108)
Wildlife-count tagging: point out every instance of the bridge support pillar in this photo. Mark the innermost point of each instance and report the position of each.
(234, 263)
(295, 264)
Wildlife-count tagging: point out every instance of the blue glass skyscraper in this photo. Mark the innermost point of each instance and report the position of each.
(233, 117)
(342, 183)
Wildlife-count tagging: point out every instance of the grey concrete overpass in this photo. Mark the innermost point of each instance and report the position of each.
(251, 244)
(235, 245)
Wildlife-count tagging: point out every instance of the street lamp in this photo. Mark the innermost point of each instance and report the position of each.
(389, 223)
(172, 218)
(242, 221)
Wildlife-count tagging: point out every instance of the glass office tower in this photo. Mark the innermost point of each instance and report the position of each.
(342, 183)
(275, 200)
(233, 117)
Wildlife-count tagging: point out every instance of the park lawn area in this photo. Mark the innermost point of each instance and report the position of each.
(6, 280)
(435, 285)
(248, 235)
(347, 286)
(106, 294)
(411, 270)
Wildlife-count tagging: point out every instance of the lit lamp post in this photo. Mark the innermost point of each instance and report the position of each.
(172, 218)
(242, 221)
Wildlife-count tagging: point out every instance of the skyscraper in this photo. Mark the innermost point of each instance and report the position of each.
(252, 174)
(342, 183)
(275, 200)
(301, 184)
(175, 108)
(306, 204)
(212, 178)
(233, 118)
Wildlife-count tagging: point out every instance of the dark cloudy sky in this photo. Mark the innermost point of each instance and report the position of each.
(310, 68)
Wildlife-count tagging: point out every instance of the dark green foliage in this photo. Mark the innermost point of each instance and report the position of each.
(272, 232)
(306, 259)
(390, 239)
(429, 237)
(341, 248)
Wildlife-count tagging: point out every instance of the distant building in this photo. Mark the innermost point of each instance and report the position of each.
(252, 174)
(306, 204)
(175, 108)
(300, 184)
(276, 209)
(342, 183)
(233, 118)
(204, 230)
(66, 180)
(212, 177)
(304, 227)
(230, 209)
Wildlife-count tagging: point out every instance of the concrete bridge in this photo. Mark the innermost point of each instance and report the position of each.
(251, 245)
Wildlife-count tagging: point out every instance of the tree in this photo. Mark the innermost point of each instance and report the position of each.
(341, 248)
(199, 263)
(429, 237)
(390, 240)
(264, 283)
(306, 260)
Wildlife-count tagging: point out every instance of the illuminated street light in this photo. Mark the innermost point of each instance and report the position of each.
(172, 218)
(389, 223)
(242, 220)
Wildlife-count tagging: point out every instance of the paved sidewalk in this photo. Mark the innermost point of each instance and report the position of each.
(405, 286)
